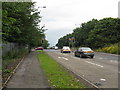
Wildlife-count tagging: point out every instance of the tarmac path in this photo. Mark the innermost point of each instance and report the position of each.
(29, 74)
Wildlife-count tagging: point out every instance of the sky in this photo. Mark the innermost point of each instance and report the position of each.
(60, 17)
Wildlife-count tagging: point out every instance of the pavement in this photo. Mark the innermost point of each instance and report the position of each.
(29, 74)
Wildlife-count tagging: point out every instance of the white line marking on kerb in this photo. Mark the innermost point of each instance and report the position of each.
(94, 64)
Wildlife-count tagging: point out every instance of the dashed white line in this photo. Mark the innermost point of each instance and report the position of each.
(65, 58)
(113, 61)
(94, 64)
(59, 57)
(100, 58)
(102, 79)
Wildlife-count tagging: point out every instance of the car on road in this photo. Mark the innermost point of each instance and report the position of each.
(84, 52)
(65, 49)
(56, 48)
(39, 48)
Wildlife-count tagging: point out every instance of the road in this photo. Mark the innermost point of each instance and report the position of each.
(102, 70)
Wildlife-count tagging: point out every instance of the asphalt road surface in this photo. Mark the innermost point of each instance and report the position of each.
(102, 70)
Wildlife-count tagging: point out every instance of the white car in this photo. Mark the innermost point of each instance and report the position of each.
(65, 49)
(55, 47)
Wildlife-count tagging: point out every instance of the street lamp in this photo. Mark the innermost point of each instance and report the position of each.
(72, 39)
(42, 40)
(78, 25)
(42, 7)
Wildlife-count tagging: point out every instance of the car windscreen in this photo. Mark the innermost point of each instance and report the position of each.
(86, 49)
(66, 48)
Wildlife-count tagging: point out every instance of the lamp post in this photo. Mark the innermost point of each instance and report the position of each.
(78, 25)
(42, 41)
(72, 39)
(42, 7)
(69, 41)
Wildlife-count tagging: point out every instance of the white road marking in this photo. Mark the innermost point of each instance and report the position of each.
(63, 58)
(94, 64)
(74, 57)
(100, 58)
(59, 57)
(102, 79)
(113, 61)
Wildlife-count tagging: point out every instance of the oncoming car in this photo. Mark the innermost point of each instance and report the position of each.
(39, 48)
(84, 52)
(65, 49)
(56, 48)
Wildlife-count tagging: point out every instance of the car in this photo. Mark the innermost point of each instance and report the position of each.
(84, 52)
(56, 48)
(39, 48)
(65, 49)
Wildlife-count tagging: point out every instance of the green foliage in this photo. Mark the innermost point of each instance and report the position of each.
(105, 32)
(20, 23)
(14, 54)
(7, 71)
(45, 44)
(114, 49)
(64, 41)
(95, 33)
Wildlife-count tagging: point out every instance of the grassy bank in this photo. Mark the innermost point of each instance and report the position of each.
(113, 49)
(57, 76)
(10, 61)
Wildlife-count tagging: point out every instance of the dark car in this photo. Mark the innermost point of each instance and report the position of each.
(84, 52)
(39, 48)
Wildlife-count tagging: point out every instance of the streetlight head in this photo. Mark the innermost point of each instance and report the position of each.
(44, 6)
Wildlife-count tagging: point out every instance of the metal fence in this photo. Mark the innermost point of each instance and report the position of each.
(6, 47)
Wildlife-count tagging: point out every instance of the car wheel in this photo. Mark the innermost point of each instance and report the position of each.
(91, 56)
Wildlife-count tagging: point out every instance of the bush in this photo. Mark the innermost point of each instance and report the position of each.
(113, 49)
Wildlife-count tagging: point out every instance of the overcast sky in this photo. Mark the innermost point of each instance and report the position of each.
(62, 16)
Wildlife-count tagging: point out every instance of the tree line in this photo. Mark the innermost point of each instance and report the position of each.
(94, 33)
(20, 24)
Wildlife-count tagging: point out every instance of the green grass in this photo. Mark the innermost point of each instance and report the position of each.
(57, 76)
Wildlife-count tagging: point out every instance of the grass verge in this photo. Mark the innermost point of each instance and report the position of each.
(57, 76)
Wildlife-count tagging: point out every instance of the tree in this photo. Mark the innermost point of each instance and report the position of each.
(95, 33)
(20, 23)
